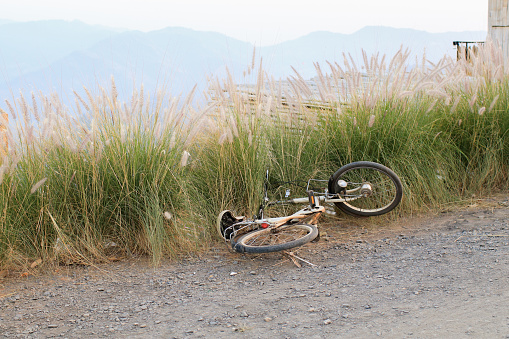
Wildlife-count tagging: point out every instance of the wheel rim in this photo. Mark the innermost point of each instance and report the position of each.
(281, 235)
(383, 189)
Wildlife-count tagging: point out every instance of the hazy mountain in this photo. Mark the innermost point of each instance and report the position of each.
(327, 46)
(61, 56)
(28, 46)
(176, 58)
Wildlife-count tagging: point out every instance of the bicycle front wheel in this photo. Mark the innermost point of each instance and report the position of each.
(275, 239)
(369, 189)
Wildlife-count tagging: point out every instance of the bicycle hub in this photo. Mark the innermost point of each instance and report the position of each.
(366, 190)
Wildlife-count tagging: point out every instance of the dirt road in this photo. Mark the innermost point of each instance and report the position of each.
(444, 276)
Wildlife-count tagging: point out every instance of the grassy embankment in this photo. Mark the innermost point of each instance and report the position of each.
(106, 175)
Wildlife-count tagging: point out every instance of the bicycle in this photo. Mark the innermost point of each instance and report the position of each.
(360, 188)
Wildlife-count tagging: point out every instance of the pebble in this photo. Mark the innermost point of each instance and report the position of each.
(327, 322)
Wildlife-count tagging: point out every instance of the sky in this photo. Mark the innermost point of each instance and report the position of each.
(261, 22)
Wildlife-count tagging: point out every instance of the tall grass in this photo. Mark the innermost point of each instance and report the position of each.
(106, 176)
(150, 175)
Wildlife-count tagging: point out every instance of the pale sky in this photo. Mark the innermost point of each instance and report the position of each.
(262, 22)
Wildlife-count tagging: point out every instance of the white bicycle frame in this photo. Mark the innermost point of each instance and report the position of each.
(362, 191)
(309, 214)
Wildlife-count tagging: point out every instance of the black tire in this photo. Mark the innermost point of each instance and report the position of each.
(385, 187)
(274, 240)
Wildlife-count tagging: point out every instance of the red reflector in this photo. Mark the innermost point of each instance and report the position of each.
(265, 225)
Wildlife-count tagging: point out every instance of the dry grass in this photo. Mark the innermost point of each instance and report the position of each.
(151, 174)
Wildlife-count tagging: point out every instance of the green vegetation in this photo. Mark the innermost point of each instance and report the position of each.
(151, 175)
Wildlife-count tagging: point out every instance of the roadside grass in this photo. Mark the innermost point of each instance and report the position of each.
(150, 176)
(102, 178)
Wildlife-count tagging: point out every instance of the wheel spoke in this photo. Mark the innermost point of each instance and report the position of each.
(272, 240)
(383, 189)
(368, 188)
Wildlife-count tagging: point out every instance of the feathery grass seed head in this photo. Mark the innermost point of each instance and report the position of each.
(37, 185)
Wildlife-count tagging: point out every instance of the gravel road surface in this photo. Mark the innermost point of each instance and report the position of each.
(443, 276)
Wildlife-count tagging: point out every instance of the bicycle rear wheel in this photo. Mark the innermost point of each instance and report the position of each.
(370, 189)
(275, 239)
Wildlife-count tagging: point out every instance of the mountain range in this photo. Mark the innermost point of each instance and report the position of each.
(61, 56)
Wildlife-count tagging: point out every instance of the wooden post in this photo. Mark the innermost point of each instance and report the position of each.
(498, 26)
(4, 145)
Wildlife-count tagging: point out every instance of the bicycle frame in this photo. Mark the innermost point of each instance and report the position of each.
(310, 214)
(362, 191)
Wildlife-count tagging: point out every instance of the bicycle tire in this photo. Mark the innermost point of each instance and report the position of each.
(385, 185)
(275, 239)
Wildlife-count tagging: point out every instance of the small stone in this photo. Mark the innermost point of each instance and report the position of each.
(252, 272)
(327, 322)
(267, 319)
(52, 326)
(233, 273)
(143, 325)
